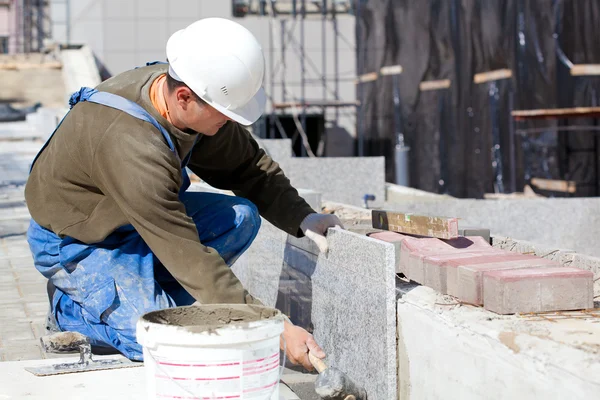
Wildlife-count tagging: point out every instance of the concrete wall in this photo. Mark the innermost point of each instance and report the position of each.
(341, 179)
(449, 351)
(128, 33)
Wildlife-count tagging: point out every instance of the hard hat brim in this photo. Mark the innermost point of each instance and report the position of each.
(249, 113)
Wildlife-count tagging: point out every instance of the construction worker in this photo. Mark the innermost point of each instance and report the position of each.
(113, 228)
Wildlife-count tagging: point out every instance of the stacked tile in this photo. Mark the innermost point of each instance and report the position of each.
(502, 281)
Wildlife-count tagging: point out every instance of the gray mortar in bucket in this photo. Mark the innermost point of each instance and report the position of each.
(212, 316)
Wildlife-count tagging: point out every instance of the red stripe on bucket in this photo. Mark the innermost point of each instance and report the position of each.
(249, 369)
(175, 378)
(263, 371)
(167, 396)
(199, 365)
(261, 388)
(261, 359)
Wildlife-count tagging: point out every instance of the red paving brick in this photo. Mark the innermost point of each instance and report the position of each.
(419, 248)
(537, 290)
(460, 267)
(470, 277)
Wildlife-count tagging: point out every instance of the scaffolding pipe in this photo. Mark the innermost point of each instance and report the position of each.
(324, 52)
(302, 74)
(40, 24)
(68, 27)
(336, 62)
(271, 129)
(283, 66)
(359, 46)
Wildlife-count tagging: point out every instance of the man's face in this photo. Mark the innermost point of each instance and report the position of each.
(205, 119)
(191, 113)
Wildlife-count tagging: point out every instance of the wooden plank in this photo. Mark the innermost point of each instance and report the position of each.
(434, 85)
(391, 70)
(370, 77)
(555, 185)
(585, 69)
(556, 113)
(439, 227)
(17, 66)
(495, 75)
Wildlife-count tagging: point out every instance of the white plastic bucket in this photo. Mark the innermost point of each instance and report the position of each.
(239, 360)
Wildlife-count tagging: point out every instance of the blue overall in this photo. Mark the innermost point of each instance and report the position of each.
(103, 288)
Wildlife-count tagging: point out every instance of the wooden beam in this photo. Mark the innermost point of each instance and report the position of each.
(370, 77)
(556, 113)
(12, 66)
(495, 75)
(585, 69)
(555, 185)
(391, 70)
(434, 85)
(439, 227)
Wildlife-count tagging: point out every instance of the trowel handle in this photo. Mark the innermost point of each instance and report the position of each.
(319, 364)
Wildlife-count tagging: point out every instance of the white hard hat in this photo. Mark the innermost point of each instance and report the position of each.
(223, 63)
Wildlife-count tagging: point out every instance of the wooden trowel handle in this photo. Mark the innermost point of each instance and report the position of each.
(319, 365)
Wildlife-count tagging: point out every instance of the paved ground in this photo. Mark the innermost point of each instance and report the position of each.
(23, 300)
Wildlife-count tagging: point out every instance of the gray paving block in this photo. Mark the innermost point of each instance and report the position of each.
(345, 179)
(9, 312)
(312, 197)
(474, 231)
(347, 298)
(277, 149)
(361, 254)
(10, 332)
(354, 310)
(20, 350)
(8, 292)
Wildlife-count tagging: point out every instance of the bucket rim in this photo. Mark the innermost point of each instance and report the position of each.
(150, 333)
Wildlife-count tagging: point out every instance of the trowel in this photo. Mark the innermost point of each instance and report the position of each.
(63, 342)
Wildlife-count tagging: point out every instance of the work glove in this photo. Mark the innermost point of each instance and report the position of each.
(315, 228)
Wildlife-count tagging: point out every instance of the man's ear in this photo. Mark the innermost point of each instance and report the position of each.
(184, 96)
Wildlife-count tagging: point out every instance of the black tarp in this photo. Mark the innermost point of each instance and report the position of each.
(454, 39)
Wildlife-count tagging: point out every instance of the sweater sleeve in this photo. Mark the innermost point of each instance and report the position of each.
(143, 177)
(232, 160)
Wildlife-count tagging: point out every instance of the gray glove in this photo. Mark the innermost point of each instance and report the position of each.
(315, 228)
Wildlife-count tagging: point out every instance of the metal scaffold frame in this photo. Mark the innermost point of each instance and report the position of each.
(288, 14)
(32, 25)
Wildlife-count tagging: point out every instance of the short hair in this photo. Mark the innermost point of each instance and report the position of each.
(173, 84)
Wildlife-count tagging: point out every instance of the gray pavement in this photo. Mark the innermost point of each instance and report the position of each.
(23, 299)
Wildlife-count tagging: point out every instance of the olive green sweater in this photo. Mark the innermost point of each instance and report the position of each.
(104, 169)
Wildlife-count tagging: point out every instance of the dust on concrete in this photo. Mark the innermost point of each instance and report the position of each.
(211, 316)
(508, 339)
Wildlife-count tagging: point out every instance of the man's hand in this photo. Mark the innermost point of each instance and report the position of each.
(315, 228)
(298, 343)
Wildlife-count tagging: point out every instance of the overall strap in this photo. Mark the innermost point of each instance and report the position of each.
(122, 104)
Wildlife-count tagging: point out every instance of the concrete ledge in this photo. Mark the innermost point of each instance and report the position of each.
(449, 351)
